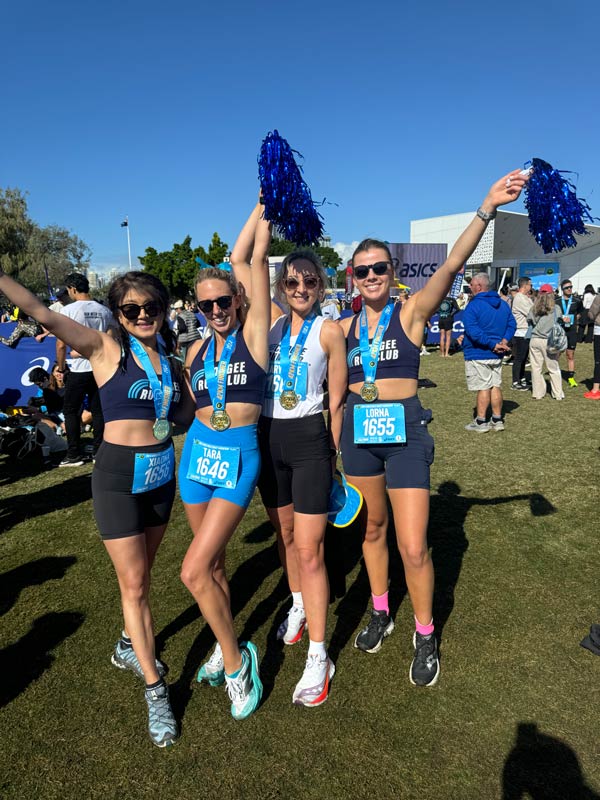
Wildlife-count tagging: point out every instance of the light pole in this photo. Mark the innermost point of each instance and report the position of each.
(125, 224)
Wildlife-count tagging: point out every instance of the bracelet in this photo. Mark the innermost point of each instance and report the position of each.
(486, 216)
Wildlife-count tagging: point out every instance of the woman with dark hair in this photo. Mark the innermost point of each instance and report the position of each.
(298, 448)
(133, 481)
(386, 449)
(585, 325)
(220, 461)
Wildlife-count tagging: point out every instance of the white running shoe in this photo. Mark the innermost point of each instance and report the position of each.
(213, 670)
(292, 627)
(313, 687)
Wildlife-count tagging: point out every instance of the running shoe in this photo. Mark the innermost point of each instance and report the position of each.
(518, 387)
(245, 690)
(572, 383)
(292, 627)
(213, 671)
(124, 657)
(591, 395)
(71, 461)
(483, 427)
(313, 687)
(425, 668)
(370, 639)
(496, 425)
(162, 725)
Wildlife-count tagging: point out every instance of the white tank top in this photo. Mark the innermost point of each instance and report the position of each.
(311, 374)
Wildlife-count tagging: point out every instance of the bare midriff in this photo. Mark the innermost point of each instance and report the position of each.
(241, 414)
(391, 388)
(130, 432)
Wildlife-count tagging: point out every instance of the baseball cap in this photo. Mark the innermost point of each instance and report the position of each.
(62, 293)
(545, 288)
(178, 304)
(345, 501)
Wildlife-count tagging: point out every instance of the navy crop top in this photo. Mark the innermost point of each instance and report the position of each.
(246, 380)
(398, 356)
(128, 395)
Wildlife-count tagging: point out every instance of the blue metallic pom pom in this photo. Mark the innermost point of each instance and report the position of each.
(287, 199)
(555, 211)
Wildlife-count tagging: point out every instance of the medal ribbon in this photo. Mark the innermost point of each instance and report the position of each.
(216, 378)
(566, 310)
(162, 390)
(369, 353)
(290, 357)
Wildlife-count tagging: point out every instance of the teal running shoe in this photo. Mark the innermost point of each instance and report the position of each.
(162, 726)
(213, 670)
(245, 690)
(124, 657)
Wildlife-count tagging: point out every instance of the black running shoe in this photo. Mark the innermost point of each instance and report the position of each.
(425, 668)
(370, 638)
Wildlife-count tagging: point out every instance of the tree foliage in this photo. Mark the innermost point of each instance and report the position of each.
(177, 268)
(328, 256)
(27, 249)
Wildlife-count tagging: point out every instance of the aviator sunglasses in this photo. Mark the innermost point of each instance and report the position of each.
(224, 302)
(132, 311)
(291, 284)
(380, 268)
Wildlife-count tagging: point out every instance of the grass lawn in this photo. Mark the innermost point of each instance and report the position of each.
(514, 538)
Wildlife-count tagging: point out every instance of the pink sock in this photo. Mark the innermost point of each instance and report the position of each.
(424, 630)
(380, 602)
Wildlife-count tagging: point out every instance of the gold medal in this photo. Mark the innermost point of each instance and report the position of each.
(220, 420)
(161, 429)
(288, 400)
(369, 392)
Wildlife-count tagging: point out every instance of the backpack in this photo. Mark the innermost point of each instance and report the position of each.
(557, 338)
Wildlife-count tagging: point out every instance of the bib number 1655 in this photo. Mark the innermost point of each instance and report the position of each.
(378, 427)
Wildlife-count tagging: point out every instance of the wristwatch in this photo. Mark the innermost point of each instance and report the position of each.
(486, 216)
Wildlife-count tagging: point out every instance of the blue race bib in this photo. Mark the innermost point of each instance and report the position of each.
(214, 465)
(379, 423)
(275, 381)
(152, 470)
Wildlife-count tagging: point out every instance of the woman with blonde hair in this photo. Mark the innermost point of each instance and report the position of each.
(543, 316)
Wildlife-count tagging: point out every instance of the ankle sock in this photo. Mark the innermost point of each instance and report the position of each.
(424, 630)
(297, 599)
(497, 418)
(480, 421)
(125, 640)
(156, 684)
(381, 602)
(317, 649)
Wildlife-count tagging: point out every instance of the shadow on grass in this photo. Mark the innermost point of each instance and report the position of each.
(32, 574)
(27, 659)
(543, 768)
(69, 493)
(448, 541)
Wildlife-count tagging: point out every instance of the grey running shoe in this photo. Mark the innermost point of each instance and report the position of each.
(213, 670)
(380, 625)
(124, 657)
(496, 425)
(518, 386)
(313, 687)
(292, 627)
(425, 668)
(484, 427)
(162, 726)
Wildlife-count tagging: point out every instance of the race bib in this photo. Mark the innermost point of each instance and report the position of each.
(213, 465)
(152, 470)
(275, 381)
(379, 423)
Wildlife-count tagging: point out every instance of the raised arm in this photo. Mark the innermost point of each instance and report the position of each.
(242, 250)
(258, 322)
(85, 340)
(427, 301)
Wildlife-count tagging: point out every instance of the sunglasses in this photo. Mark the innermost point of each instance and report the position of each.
(380, 268)
(567, 287)
(310, 283)
(224, 302)
(132, 311)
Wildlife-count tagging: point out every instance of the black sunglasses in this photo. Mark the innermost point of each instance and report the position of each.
(380, 268)
(224, 302)
(132, 311)
(291, 284)
(567, 287)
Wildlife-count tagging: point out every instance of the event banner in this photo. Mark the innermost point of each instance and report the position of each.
(414, 264)
(540, 272)
(16, 363)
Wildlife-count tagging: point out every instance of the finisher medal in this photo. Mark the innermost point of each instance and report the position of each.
(220, 420)
(369, 392)
(161, 429)
(288, 400)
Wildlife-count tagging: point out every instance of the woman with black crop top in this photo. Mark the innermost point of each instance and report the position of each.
(385, 444)
(133, 481)
(220, 461)
(297, 444)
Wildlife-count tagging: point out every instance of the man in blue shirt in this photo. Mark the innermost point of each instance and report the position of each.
(489, 326)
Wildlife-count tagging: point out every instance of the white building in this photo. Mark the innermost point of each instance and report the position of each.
(507, 243)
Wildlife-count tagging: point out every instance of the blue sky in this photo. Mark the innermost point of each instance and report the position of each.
(157, 110)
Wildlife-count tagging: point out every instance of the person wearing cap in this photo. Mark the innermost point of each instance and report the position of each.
(298, 447)
(62, 299)
(570, 308)
(521, 306)
(542, 316)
